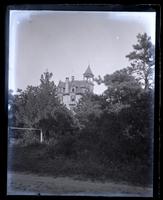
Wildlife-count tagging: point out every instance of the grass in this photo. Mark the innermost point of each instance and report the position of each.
(22, 183)
(37, 159)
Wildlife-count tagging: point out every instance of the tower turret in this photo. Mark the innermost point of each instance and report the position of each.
(88, 75)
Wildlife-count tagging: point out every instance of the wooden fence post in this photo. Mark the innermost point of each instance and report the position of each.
(41, 136)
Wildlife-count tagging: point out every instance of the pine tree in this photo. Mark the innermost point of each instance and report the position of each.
(143, 60)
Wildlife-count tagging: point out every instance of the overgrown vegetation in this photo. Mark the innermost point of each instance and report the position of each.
(107, 137)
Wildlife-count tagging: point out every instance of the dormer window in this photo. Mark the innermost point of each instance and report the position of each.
(73, 89)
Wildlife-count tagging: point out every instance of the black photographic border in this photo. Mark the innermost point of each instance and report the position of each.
(89, 6)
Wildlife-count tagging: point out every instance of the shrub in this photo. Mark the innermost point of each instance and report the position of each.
(66, 145)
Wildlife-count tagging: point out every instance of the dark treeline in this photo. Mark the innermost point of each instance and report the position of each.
(108, 136)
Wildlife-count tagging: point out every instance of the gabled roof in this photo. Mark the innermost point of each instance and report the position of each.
(78, 84)
(88, 73)
(61, 84)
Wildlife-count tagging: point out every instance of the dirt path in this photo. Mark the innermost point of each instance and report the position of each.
(30, 184)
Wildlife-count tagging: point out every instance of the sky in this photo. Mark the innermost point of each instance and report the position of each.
(66, 42)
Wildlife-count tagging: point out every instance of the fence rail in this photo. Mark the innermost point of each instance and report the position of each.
(26, 128)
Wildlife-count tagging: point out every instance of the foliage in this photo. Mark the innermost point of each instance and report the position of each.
(117, 126)
(109, 132)
(11, 99)
(122, 87)
(36, 159)
(39, 107)
(87, 109)
(143, 60)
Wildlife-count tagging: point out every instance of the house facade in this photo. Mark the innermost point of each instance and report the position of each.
(70, 91)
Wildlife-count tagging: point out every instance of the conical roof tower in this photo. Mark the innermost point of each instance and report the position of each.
(88, 73)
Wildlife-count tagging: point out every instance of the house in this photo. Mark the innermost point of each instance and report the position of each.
(70, 91)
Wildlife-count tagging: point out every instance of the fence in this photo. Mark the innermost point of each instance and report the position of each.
(30, 129)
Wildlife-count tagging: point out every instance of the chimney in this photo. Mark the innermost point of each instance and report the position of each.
(67, 85)
(72, 78)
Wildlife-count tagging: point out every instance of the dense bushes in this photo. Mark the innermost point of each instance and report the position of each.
(107, 145)
(37, 159)
(104, 139)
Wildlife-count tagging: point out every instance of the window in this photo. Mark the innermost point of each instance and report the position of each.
(83, 89)
(73, 98)
(61, 99)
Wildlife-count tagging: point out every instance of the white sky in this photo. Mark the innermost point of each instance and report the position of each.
(65, 42)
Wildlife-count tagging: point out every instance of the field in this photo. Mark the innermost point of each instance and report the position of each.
(34, 170)
(30, 184)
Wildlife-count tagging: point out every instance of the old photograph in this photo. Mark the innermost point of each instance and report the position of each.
(81, 103)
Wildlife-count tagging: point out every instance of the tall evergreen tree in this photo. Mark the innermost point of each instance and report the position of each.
(143, 60)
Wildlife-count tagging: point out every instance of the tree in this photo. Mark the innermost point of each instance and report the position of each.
(87, 109)
(11, 98)
(143, 60)
(25, 107)
(128, 117)
(122, 88)
(39, 107)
